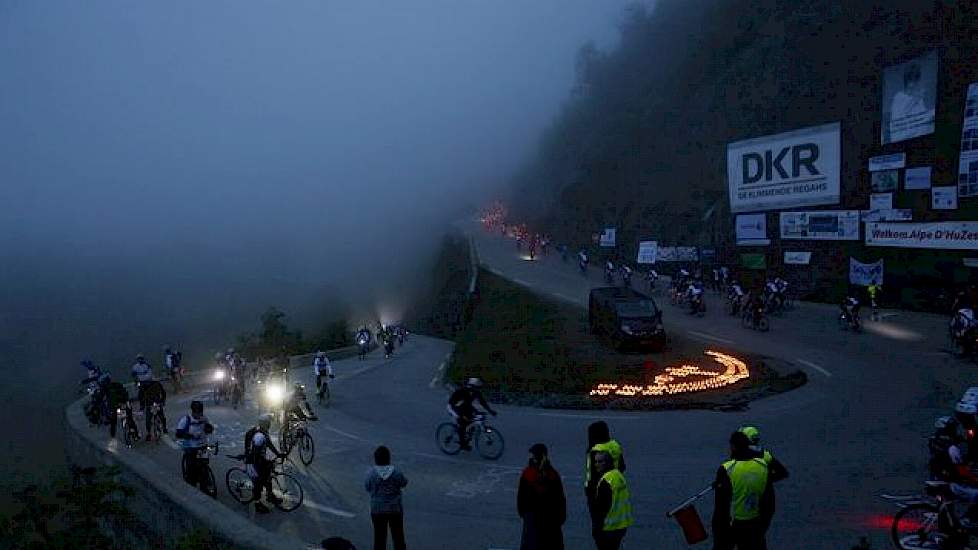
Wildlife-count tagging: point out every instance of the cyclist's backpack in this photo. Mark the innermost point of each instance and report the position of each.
(116, 394)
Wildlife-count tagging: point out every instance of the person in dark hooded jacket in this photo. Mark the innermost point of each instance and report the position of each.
(541, 503)
(384, 483)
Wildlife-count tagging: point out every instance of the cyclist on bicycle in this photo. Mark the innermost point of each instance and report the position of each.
(461, 405)
(321, 366)
(142, 373)
(297, 407)
(192, 432)
(154, 393)
(258, 445)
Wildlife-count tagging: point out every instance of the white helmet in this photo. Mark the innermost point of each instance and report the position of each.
(320, 354)
(965, 408)
(474, 382)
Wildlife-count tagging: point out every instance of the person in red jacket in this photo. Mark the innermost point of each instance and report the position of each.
(541, 503)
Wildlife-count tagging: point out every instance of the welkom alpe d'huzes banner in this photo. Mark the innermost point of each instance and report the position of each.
(782, 171)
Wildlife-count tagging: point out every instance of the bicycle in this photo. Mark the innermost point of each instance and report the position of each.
(241, 485)
(295, 433)
(489, 441)
(930, 522)
(755, 318)
(130, 431)
(196, 469)
(156, 422)
(322, 391)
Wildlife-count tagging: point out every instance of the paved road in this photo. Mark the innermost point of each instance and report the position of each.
(856, 429)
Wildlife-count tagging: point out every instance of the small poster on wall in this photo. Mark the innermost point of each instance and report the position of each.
(881, 201)
(968, 162)
(885, 181)
(944, 198)
(887, 162)
(917, 178)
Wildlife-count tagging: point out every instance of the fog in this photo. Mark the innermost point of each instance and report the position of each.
(168, 170)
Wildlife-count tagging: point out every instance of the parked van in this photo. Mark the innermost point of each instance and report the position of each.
(627, 317)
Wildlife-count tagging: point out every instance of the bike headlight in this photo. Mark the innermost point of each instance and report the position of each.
(274, 393)
(219, 375)
(627, 329)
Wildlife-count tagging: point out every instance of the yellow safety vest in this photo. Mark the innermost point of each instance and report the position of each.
(611, 447)
(620, 514)
(748, 479)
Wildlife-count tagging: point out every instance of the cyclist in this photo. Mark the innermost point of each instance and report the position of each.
(322, 367)
(461, 405)
(949, 462)
(142, 373)
(97, 383)
(258, 445)
(192, 432)
(296, 405)
(154, 393)
(363, 342)
(736, 296)
(172, 361)
(850, 309)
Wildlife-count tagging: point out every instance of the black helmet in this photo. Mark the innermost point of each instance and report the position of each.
(197, 407)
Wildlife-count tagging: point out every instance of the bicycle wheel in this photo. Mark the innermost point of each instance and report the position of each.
(324, 395)
(208, 483)
(240, 485)
(447, 437)
(288, 489)
(132, 433)
(286, 439)
(307, 448)
(157, 427)
(490, 443)
(763, 324)
(915, 528)
(185, 468)
(217, 396)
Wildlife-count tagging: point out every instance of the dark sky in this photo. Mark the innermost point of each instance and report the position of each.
(169, 169)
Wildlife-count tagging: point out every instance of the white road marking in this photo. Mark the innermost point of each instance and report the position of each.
(814, 366)
(345, 434)
(328, 509)
(709, 337)
(495, 271)
(521, 282)
(565, 297)
(172, 444)
(587, 417)
(885, 315)
(437, 378)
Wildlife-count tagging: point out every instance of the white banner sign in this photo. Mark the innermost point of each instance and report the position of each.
(678, 254)
(647, 252)
(834, 225)
(968, 164)
(608, 237)
(944, 198)
(909, 97)
(799, 168)
(865, 274)
(944, 235)
(752, 230)
(917, 178)
(887, 162)
(893, 215)
(881, 201)
(797, 258)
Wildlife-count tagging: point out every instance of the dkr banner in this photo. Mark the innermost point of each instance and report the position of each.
(799, 168)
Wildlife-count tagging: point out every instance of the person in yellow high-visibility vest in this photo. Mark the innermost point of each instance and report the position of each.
(611, 507)
(776, 471)
(599, 439)
(739, 520)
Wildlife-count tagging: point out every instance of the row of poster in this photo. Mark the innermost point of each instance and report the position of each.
(835, 225)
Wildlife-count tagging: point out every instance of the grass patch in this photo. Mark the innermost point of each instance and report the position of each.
(533, 351)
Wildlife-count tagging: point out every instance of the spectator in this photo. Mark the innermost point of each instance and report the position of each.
(739, 517)
(611, 508)
(384, 483)
(541, 503)
(599, 439)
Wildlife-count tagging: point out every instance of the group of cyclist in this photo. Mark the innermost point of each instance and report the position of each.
(109, 398)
